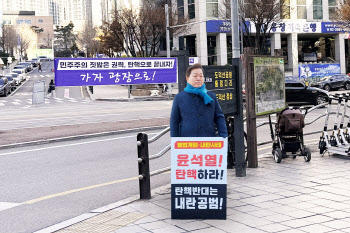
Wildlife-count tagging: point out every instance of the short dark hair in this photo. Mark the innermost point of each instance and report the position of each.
(195, 66)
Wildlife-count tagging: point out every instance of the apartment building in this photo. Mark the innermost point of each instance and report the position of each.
(306, 34)
(16, 18)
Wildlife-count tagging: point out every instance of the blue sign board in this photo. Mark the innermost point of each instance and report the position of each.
(332, 27)
(314, 72)
(222, 26)
(114, 71)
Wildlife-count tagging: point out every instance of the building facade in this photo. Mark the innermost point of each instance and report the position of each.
(63, 11)
(16, 18)
(306, 34)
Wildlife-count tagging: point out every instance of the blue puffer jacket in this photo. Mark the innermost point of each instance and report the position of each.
(190, 117)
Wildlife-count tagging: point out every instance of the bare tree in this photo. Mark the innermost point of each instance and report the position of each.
(343, 14)
(8, 42)
(89, 39)
(139, 32)
(260, 14)
(27, 38)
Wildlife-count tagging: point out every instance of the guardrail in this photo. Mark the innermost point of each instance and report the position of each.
(144, 157)
(143, 161)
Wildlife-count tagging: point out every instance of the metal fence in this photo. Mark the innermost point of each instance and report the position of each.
(144, 158)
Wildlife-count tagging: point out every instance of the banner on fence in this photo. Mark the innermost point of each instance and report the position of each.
(114, 71)
(312, 73)
(198, 178)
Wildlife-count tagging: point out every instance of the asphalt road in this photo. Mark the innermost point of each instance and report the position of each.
(29, 175)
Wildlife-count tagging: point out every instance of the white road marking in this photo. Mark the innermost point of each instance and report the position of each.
(8, 205)
(68, 145)
(16, 103)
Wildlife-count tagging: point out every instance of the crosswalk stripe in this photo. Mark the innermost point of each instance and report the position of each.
(16, 103)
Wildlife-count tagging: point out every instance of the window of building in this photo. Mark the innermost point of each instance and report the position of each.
(301, 9)
(212, 55)
(7, 22)
(21, 21)
(40, 21)
(212, 8)
(191, 9)
(285, 9)
(332, 6)
(180, 9)
(190, 45)
(317, 8)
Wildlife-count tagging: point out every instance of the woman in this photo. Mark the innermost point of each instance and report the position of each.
(196, 111)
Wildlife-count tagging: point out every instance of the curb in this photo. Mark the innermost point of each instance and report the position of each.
(83, 136)
(133, 99)
(80, 218)
(136, 99)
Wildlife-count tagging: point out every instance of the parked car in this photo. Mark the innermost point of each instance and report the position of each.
(44, 58)
(5, 86)
(37, 61)
(20, 73)
(16, 77)
(298, 93)
(34, 63)
(12, 81)
(333, 82)
(20, 67)
(28, 66)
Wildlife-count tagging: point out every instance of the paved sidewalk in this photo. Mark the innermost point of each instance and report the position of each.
(291, 197)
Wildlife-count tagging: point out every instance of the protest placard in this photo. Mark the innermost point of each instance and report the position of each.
(198, 177)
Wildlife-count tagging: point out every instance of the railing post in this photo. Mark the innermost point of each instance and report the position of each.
(143, 159)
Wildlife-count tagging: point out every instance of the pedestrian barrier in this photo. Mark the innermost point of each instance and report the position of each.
(143, 161)
(144, 158)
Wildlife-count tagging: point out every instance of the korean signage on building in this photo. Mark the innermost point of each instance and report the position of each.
(269, 85)
(224, 26)
(114, 71)
(333, 27)
(222, 81)
(290, 27)
(314, 72)
(198, 178)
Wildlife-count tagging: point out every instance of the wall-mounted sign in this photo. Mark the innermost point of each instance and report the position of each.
(198, 178)
(114, 71)
(333, 27)
(192, 60)
(269, 85)
(224, 26)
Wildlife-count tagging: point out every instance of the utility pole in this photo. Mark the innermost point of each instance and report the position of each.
(168, 41)
(240, 164)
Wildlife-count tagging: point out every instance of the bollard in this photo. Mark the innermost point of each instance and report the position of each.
(231, 143)
(143, 162)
